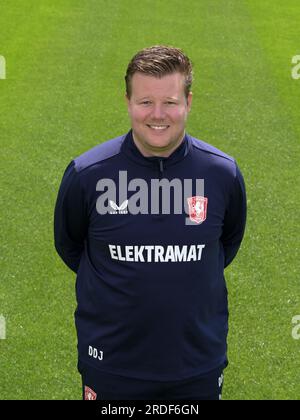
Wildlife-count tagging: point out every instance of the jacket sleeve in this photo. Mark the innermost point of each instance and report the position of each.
(70, 219)
(235, 219)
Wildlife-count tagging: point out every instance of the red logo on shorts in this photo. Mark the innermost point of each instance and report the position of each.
(197, 208)
(89, 394)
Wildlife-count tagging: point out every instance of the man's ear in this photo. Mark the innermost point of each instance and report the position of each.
(126, 100)
(189, 101)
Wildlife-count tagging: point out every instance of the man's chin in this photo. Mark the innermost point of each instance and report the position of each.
(156, 145)
(159, 146)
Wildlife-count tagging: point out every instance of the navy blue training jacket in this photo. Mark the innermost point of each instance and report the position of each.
(151, 292)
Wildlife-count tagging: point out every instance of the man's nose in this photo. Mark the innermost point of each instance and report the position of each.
(158, 112)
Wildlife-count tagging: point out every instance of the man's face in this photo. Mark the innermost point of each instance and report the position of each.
(158, 109)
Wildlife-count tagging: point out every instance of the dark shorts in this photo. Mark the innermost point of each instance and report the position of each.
(97, 385)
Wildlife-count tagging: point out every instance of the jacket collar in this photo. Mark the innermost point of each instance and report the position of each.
(133, 153)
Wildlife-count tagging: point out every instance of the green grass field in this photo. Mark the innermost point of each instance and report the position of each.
(63, 94)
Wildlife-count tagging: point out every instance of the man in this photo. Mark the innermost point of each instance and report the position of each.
(152, 316)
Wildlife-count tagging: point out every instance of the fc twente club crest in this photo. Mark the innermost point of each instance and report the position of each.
(197, 208)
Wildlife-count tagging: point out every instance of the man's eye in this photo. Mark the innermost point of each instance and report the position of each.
(146, 102)
(171, 103)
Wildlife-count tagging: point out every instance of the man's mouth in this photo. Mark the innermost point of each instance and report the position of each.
(158, 127)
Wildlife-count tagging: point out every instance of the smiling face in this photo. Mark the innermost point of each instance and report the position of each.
(158, 109)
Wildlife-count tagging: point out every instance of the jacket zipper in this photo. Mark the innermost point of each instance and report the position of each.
(161, 168)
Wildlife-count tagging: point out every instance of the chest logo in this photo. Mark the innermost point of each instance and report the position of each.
(198, 208)
(123, 209)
